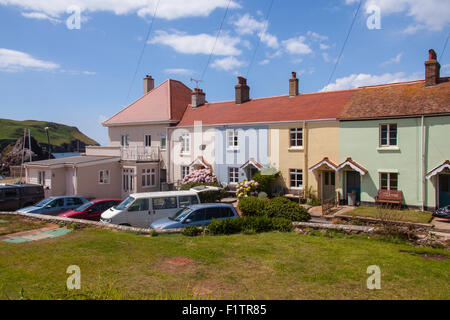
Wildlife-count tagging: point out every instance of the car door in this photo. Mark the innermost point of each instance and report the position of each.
(72, 203)
(95, 211)
(164, 207)
(139, 214)
(54, 208)
(197, 218)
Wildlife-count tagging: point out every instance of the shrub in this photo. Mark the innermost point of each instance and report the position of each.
(262, 195)
(192, 231)
(252, 206)
(266, 182)
(200, 176)
(154, 233)
(247, 188)
(311, 198)
(280, 207)
(250, 225)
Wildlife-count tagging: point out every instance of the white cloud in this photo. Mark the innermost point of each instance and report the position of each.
(227, 63)
(326, 57)
(247, 25)
(297, 45)
(324, 46)
(168, 9)
(89, 73)
(40, 16)
(198, 44)
(429, 14)
(264, 62)
(316, 37)
(362, 79)
(179, 71)
(395, 60)
(16, 61)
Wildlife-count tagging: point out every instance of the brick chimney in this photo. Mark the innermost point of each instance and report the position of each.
(293, 85)
(149, 84)
(432, 69)
(198, 98)
(242, 91)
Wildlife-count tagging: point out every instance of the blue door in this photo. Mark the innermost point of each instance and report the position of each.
(354, 183)
(444, 190)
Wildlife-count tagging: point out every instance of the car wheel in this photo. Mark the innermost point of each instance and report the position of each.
(125, 224)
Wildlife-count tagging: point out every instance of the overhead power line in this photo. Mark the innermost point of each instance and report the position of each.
(445, 46)
(215, 42)
(343, 46)
(259, 40)
(143, 50)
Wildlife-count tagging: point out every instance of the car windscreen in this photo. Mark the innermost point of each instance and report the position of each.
(84, 206)
(180, 215)
(125, 203)
(44, 202)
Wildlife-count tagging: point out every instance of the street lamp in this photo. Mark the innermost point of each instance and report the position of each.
(48, 140)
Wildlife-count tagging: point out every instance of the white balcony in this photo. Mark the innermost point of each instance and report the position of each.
(140, 153)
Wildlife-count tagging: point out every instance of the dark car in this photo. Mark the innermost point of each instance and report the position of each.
(14, 197)
(91, 210)
(443, 213)
(55, 205)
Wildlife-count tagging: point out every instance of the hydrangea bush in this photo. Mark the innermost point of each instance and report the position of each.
(247, 188)
(200, 176)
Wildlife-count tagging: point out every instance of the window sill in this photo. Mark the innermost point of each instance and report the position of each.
(296, 188)
(389, 148)
(185, 154)
(295, 149)
(233, 149)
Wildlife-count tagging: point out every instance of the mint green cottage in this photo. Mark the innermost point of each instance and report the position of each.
(397, 137)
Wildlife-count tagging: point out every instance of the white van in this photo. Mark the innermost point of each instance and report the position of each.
(142, 209)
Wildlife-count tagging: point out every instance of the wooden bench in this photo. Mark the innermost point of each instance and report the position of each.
(389, 197)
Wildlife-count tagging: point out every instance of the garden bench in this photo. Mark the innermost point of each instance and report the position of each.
(389, 197)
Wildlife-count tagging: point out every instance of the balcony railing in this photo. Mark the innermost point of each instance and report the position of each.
(140, 153)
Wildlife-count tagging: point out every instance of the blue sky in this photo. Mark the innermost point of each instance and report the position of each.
(82, 76)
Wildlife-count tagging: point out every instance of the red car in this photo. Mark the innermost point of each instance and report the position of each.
(91, 210)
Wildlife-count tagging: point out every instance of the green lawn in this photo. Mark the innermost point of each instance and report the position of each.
(14, 224)
(266, 266)
(399, 215)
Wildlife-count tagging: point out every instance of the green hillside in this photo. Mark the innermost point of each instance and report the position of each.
(60, 134)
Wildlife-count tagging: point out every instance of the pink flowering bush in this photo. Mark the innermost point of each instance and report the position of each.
(200, 176)
(247, 188)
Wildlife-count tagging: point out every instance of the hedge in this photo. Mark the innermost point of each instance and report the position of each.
(249, 224)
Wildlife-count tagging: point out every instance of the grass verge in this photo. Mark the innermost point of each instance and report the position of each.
(405, 215)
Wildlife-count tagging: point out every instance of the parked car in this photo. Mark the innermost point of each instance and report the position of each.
(196, 215)
(91, 210)
(443, 213)
(142, 209)
(13, 197)
(54, 205)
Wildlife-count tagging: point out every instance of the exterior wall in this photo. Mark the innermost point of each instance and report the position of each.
(253, 143)
(87, 184)
(360, 140)
(320, 139)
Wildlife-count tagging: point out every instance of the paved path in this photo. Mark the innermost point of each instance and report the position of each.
(441, 225)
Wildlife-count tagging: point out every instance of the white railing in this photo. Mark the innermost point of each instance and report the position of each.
(140, 153)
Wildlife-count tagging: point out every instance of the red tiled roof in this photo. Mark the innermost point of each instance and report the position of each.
(324, 161)
(350, 162)
(307, 106)
(397, 100)
(164, 103)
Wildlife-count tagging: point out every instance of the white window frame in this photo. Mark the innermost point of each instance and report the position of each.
(163, 145)
(297, 132)
(232, 139)
(389, 178)
(186, 143)
(388, 137)
(148, 179)
(185, 170)
(41, 178)
(101, 177)
(296, 172)
(125, 140)
(233, 175)
(147, 140)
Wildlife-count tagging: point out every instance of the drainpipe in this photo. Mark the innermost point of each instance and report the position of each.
(422, 153)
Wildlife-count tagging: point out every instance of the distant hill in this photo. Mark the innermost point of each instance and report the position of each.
(62, 138)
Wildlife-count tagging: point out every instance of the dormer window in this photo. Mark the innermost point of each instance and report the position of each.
(388, 135)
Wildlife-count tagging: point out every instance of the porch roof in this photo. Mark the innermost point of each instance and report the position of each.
(253, 162)
(438, 169)
(354, 165)
(201, 161)
(325, 162)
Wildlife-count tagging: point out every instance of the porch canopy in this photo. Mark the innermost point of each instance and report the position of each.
(443, 167)
(353, 165)
(199, 163)
(252, 162)
(325, 163)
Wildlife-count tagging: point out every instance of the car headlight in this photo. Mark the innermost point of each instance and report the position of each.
(105, 220)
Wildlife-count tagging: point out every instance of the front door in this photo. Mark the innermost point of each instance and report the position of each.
(354, 184)
(328, 185)
(127, 182)
(444, 190)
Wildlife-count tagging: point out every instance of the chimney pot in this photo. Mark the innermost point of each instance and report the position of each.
(198, 98)
(293, 85)
(149, 84)
(432, 69)
(242, 91)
